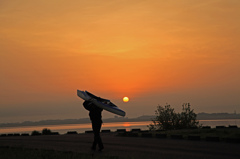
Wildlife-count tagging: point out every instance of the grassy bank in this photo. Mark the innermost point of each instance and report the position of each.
(203, 133)
(225, 134)
(23, 153)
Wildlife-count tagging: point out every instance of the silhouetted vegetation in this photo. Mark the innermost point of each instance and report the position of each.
(46, 131)
(35, 133)
(227, 134)
(167, 119)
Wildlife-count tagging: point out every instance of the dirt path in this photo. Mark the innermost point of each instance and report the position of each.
(129, 146)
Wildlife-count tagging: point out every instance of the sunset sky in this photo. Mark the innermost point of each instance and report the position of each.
(154, 52)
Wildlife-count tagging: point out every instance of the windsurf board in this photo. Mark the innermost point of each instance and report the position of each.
(101, 102)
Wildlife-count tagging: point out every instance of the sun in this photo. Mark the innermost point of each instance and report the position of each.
(125, 99)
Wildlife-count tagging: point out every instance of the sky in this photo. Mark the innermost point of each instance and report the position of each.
(155, 52)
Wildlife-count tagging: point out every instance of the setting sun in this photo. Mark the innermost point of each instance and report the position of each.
(125, 99)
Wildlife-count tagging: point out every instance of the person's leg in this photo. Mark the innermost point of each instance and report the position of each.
(98, 138)
(95, 134)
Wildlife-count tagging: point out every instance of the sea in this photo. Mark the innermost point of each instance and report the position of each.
(113, 126)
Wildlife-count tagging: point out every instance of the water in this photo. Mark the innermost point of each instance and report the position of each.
(81, 128)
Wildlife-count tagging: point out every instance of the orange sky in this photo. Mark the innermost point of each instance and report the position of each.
(152, 51)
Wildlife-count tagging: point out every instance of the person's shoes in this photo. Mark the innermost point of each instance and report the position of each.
(100, 149)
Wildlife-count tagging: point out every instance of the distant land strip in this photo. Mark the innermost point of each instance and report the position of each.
(200, 116)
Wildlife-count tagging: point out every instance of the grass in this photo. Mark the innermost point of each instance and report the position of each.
(23, 153)
(203, 133)
(222, 133)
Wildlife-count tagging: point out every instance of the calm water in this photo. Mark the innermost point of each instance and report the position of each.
(81, 128)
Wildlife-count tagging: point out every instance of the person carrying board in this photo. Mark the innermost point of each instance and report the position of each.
(95, 114)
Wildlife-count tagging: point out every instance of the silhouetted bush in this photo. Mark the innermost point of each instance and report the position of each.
(55, 133)
(35, 133)
(233, 126)
(206, 127)
(135, 130)
(24, 134)
(167, 119)
(3, 135)
(46, 131)
(106, 131)
(188, 119)
(88, 131)
(72, 132)
(121, 130)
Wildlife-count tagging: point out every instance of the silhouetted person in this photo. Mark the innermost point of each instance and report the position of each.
(95, 114)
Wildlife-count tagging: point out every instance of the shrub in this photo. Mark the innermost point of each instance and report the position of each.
(188, 119)
(46, 131)
(35, 133)
(167, 119)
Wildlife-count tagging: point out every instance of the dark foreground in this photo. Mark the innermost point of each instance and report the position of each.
(127, 147)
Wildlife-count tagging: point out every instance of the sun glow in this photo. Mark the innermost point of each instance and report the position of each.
(125, 99)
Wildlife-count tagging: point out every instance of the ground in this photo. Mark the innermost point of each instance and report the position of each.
(127, 147)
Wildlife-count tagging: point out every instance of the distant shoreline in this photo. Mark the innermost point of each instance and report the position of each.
(200, 116)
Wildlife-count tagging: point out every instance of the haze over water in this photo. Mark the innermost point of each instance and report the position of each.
(153, 52)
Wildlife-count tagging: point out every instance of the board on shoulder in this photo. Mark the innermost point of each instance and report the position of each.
(105, 104)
